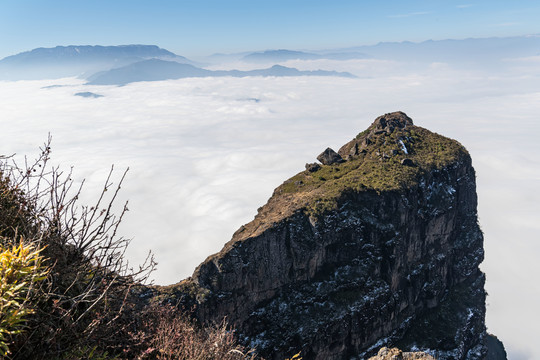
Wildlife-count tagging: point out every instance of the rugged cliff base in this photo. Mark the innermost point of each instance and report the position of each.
(378, 245)
(396, 354)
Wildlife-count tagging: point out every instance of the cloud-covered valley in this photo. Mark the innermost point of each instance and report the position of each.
(205, 153)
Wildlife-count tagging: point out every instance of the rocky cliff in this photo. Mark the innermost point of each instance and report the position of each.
(378, 245)
(396, 354)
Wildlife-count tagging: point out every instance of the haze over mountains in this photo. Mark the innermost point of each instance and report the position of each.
(465, 50)
(471, 50)
(285, 55)
(120, 65)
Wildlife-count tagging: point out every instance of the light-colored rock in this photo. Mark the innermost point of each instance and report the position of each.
(396, 354)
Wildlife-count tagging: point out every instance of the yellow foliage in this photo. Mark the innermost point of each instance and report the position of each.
(21, 266)
(295, 357)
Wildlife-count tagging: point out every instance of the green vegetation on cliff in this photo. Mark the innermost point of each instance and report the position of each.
(377, 244)
(391, 155)
(378, 159)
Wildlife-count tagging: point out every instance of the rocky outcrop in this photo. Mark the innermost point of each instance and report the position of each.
(358, 254)
(496, 350)
(329, 157)
(312, 167)
(396, 354)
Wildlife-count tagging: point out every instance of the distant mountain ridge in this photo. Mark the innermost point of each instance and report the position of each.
(124, 64)
(82, 52)
(285, 55)
(477, 50)
(156, 70)
(72, 60)
(86, 61)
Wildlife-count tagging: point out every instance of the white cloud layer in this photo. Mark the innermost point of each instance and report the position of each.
(205, 153)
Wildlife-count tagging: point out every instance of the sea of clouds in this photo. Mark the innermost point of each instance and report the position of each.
(204, 154)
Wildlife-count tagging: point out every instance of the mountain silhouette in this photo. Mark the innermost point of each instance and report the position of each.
(156, 70)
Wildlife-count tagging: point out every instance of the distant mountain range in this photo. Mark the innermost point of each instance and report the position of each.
(285, 55)
(120, 65)
(473, 51)
(68, 61)
(155, 70)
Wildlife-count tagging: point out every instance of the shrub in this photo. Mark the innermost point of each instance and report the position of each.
(168, 333)
(21, 268)
(83, 301)
(88, 303)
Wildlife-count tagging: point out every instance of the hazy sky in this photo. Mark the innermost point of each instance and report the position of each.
(202, 27)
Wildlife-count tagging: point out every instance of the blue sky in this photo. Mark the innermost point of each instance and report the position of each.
(202, 27)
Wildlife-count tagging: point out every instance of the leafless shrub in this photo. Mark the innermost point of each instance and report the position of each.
(85, 297)
(89, 306)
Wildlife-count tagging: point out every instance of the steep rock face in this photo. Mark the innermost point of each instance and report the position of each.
(368, 252)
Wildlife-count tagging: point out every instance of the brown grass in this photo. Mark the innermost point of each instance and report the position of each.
(168, 333)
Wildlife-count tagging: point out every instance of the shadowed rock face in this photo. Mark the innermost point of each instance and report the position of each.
(385, 261)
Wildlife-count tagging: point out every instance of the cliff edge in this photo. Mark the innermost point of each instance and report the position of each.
(376, 245)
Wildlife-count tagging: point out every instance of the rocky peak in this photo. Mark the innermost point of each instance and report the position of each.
(393, 128)
(379, 250)
(389, 122)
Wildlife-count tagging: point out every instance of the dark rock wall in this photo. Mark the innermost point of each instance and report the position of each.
(496, 350)
(384, 268)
